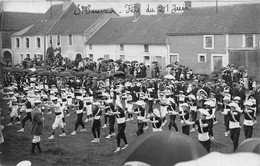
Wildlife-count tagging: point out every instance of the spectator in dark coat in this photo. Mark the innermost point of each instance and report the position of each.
(94, 87)
(218, 91)
(250, 84)
(157, 71)
(241, 93)
(135, 91)
(37, 126)
(132, 69)
(143, 70)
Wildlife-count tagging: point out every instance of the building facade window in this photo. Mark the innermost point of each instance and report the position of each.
(17, 42)
(50, 39)
(70, 40)
(122, 57)
(248, 40)
(174, 57)
(28, 56)
(27, 42)
(208, 41)
(146, 48)
(38, 42)
(202, 58)
(90, 47)
(58, 40)
(21, 57)
(90, 56)
(106, 56)
(121, 47)
(146, 60)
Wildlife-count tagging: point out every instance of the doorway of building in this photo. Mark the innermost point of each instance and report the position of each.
(217, 62)
(7, 58)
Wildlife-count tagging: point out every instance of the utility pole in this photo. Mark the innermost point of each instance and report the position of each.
(44, 42)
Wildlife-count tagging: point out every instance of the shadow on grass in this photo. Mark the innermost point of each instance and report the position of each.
(63, 161)
(56, 151)
(218, 145)
(80, 160)
(10, 138)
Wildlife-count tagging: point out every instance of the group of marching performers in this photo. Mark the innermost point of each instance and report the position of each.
(154, 101)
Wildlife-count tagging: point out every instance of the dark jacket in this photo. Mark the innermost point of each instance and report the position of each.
(37, 122)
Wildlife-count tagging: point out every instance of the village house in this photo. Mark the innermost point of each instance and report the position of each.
(10, 23)
(202, 38)
(33, 39)
(140, 37)
(208, 38)
(62, 28)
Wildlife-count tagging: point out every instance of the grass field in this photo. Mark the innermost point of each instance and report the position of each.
(78, 150)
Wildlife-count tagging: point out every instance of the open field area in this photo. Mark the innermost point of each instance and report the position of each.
(78, 150)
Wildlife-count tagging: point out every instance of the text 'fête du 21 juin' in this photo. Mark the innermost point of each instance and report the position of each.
(167, 8)
(132, 8)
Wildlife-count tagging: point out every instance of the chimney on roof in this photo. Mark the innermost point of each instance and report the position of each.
(187, 4)
(66, 4)
(160, 10)
(137, 10)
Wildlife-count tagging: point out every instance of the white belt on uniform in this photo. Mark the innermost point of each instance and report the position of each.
(120, 120)
(203, 136)
(234, 125)
(79, 111)
(28, 110)
(97, 117)
(140, 117)
(193, 108)
(155, 129)
(226, 111)
(248, 122)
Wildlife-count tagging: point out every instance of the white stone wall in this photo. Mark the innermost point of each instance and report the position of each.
(131, 52)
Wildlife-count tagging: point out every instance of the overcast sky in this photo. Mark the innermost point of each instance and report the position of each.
(41, 6)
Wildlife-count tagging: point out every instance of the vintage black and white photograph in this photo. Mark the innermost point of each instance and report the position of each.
(129, 83)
